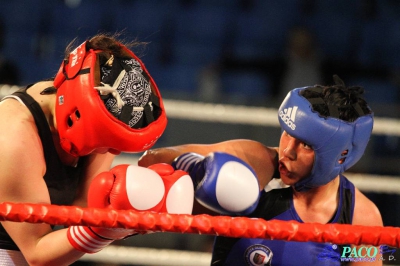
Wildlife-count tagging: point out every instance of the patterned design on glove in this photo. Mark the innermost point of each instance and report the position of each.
(82, 238)
(192, 164)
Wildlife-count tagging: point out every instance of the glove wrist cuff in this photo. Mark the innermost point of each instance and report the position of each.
(84, 239)
(96, 231)
(186, 161)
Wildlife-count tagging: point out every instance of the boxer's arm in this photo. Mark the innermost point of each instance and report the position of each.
(366, 213)
(94, 164)
(21, 179)
(262, 159)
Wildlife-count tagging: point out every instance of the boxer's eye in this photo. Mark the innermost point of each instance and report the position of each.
(307, 146)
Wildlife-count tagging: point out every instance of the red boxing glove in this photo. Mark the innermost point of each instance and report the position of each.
(179, 190)
(158, 188)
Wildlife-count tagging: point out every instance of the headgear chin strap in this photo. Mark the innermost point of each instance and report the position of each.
(83, 121)
(328, 137)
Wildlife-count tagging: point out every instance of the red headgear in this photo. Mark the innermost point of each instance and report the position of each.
(84, 123)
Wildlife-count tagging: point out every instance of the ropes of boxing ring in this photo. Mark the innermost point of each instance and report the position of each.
(238, 227)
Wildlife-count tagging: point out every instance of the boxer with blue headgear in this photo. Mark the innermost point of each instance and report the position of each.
(338, 144)
(325, 131)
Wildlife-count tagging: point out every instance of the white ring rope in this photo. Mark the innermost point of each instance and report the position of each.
(375, 183)
(148, 256)
(261, 116)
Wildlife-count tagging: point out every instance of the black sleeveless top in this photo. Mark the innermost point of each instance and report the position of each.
(61, 180)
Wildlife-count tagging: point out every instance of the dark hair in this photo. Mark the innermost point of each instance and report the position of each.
(346, 103)
(107, 42)
(110, 44)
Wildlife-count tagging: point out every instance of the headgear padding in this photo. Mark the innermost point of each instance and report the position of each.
(328, 137)
(83, 121)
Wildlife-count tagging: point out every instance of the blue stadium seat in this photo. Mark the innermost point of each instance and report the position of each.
(177, 79)
(262, 30)
(23, 16)
(22, 24)
(195, 53)
(378, 91)
(229, 4)
(336, 25)
(246, 87)
(83, 21)
(146, 20)
(380, 44)
(199, 34)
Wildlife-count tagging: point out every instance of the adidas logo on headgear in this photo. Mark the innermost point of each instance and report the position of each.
(288, 116)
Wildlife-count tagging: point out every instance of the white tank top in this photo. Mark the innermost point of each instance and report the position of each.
(12, 258)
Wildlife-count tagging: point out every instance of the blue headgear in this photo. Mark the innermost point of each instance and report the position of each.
(328, 136)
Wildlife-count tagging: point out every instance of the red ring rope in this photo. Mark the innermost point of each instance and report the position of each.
(201, 224)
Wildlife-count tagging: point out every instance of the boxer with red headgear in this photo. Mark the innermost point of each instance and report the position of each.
(325, 130)
(59, 134)
(107, 101)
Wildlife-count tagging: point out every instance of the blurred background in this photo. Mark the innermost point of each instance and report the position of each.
(236, 52)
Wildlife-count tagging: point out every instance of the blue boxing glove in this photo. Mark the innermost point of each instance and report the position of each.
(222, 182)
